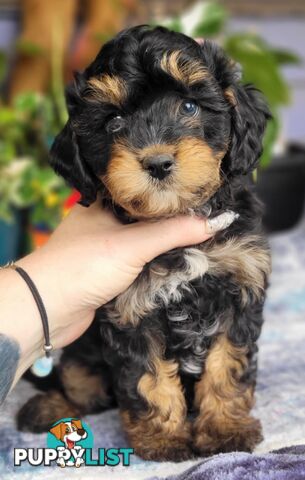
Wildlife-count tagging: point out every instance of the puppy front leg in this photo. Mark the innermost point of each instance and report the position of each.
(159, 431)
(224, 400)
(84, 390)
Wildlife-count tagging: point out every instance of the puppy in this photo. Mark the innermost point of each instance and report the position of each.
(158, 126)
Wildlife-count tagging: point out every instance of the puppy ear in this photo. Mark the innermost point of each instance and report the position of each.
(248, 109)
(66, 160)
(56, 431)
(77, 423)
(249, 115)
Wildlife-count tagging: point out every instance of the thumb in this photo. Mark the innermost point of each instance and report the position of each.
(152, 239)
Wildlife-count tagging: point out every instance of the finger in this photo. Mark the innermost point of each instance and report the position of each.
(149, 240)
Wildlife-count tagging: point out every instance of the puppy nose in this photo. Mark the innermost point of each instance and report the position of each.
(159, 166)
(81, 431)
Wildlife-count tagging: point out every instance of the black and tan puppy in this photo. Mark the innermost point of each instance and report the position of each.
(160, 126)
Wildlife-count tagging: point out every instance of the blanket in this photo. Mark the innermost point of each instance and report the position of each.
(286, 464)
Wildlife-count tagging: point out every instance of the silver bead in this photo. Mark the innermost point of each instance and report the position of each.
(48, 348)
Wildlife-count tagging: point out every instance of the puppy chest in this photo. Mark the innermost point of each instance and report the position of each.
(159, 286)
(245, 261)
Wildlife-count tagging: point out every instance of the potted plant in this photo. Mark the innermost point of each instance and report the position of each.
(27, 183)
(280, 177)
(31, 194)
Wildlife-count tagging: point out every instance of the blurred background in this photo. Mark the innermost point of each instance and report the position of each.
(43, 42)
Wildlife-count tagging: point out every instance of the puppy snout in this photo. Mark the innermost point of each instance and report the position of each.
(81, 432)
(159, 166)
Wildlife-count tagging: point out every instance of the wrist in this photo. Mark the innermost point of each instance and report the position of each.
(58, 295)
(46, 282)
(20, 319)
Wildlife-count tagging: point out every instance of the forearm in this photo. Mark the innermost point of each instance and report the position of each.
(20, 321)
(21, 336)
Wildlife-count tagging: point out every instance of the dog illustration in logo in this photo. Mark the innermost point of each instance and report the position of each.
(69, 433)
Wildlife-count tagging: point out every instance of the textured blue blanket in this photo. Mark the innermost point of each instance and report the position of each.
(288, 464)
(280, 399)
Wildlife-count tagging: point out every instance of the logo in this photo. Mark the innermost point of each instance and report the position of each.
(70, 444)
(70, 437)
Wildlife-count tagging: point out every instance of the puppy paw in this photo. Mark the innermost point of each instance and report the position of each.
(41, 411)
(244, 438)
(164, 438)
(169, 450)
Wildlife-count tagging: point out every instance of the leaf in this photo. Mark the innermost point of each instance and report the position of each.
(175, 25)
(28, 102)
(284, 57)
(7, 152)
(212, 22)
(270, 138)
(7, 117)
(259, 66)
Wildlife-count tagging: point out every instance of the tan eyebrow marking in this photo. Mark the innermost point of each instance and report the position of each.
(230, 96)
(186, 71)
(107, 88)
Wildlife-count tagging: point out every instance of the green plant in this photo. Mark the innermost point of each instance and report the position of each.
(261, 63)
(27, 128)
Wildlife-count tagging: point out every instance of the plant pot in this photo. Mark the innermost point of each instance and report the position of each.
(281, 187)
(10, 237)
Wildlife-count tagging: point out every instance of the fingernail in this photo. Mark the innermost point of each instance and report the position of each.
(221, 222)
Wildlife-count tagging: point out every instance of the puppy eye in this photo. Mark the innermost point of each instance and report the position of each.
(115, 124)
(189, 108)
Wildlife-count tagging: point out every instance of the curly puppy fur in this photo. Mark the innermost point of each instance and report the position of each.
(160, 125)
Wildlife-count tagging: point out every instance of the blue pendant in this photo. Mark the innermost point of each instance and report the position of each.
(42, 367)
